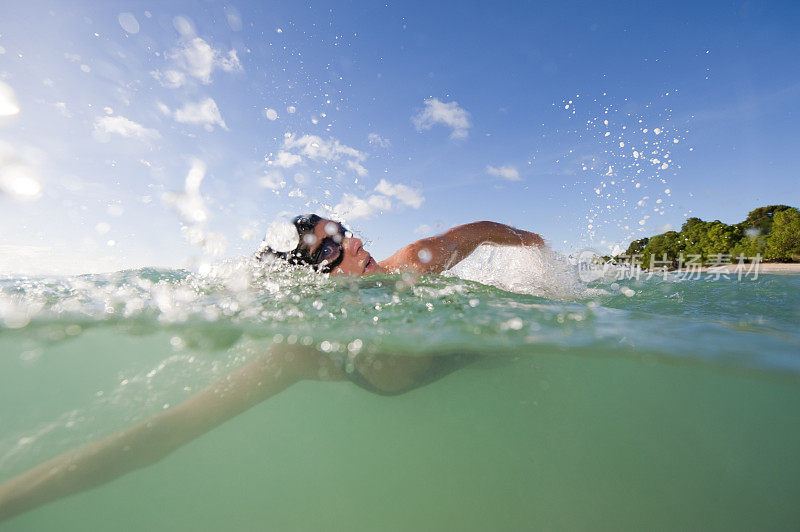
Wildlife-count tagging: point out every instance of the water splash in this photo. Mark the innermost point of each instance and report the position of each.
(527, 270)
(192, 209)
(625, 155)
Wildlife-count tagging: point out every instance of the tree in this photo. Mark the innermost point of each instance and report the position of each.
(749, 247)
(772, 231)
(692, 236)
(636, 247)
(783, 242)
(762, 218)
(667, 245)
(719, 238)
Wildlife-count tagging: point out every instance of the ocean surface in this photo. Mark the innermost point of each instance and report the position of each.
(661, 403)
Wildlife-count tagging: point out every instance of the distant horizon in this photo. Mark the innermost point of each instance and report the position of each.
(35, 254)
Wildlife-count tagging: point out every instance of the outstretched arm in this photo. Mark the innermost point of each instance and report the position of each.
(152, 440)
(438, 253)
(148, 442)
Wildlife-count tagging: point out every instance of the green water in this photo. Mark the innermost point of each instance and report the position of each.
(673, 408)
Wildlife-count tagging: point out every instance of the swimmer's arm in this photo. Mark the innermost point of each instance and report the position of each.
(438, 253)
(148, 442)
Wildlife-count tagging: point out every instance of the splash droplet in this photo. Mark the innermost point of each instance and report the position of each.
(128, 22)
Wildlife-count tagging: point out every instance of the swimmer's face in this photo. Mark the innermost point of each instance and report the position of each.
(328, 243)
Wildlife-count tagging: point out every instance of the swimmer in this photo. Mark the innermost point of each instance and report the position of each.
(326, 246)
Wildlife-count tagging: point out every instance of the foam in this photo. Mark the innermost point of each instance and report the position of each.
(524, 270)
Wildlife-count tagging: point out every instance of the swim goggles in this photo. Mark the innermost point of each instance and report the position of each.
(330, 252)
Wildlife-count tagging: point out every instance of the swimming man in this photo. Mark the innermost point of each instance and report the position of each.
(325, 246)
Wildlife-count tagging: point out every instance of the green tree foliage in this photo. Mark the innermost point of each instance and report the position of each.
(783, 242)
(755, 230)
(719, 239)
(773, 231)
(762, 217)
(664, 247)
(636, 247)
(692, 234)
(750, 246)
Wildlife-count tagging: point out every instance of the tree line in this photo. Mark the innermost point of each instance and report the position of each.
(772, 231)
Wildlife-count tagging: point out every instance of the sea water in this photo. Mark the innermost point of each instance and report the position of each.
(654, 401)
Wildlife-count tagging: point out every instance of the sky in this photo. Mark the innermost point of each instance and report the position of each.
(173, 133)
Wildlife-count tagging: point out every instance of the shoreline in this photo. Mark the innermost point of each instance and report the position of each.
(787, 268)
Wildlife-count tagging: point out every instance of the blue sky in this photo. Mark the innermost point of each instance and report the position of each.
(402, 118)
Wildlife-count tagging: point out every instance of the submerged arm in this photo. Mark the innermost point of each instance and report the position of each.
(148, 442)
(438, 253)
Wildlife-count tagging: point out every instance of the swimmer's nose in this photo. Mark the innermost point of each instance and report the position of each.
(354, 245)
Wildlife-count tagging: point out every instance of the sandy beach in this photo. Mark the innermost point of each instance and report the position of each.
(768, 267)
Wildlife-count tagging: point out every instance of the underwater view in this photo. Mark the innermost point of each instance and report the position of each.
(586, 406)
(179, 350)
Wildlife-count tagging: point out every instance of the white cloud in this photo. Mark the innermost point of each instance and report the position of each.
(230, 63)
(506, 172)
(352, 207)
(62, 108)
(315, 147)
(285, 159)
(377, 140)
(199, 59)
(407, 195)
(196, 58)
(204, 113)
(171, 78)
(357, 168)
(163, 108)
(8, 101)
(446, 113)
(106, 126)
(273, 180)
